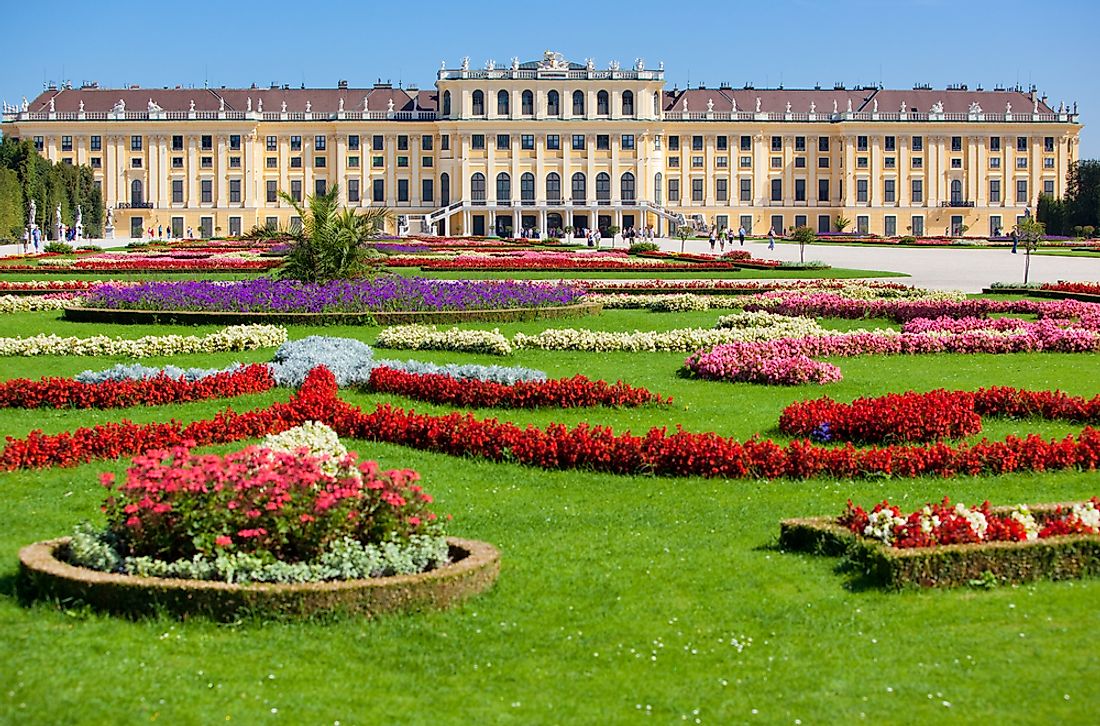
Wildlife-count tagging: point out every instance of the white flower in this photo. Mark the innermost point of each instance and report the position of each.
(234, 337)
(880, 525)
(1088, 514)
(1022, 515)
(320, 440)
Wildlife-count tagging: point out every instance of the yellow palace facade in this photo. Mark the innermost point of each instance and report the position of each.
(550, 144)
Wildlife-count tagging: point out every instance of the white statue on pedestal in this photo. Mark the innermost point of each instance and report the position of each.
(389, 106)
(364, 104)
(260, 106)
(903, 106)
(32, 215)
(24, 106)
(465, 63)
(710, 105)
(119, 107)
(835, 107)
(639, 64)
(52, 109)
(975, 108)
(309, 107)
(57, 220)
(221, 105)
(937, 107)
(81, 109)
(874, 106)
(515, 63)
(340, 108)
(249, 106)
(788, 107)
(152, 107)
(684, 104)
(283, 108)
(1036, 109)
(79, 223)
(758, 104)
(735, 105)
(192, 107)
(1008, 108)
(849, 105)
(813, 107)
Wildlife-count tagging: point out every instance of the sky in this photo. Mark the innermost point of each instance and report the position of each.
(798, 43)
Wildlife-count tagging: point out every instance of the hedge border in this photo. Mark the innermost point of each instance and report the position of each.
(1033, 292)
(129, 271)
(1054, 558)
(681, 291)
(201, 317)
(42, 575)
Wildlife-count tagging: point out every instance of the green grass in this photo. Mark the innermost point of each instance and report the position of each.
(615, 592)
(647, 273)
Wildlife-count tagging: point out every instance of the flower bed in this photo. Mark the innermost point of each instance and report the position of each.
(37, 303)
(1084, 288)
(574, 392)
(155, 391)
(234, 337)
(828, 305)
(931, 416)
(383, 294)
(1004, 553)
(866, 289)
(556, 446)
(149, 265)
(47, 287)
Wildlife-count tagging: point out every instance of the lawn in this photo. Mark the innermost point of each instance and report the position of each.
(647, 273)
(619, 597)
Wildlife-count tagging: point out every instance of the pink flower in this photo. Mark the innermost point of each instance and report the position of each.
(223, 540)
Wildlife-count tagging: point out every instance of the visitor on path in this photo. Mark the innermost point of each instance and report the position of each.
(190, 233)
(1015, 239)
(37, 239)
(160, 231)
(26, 241)
(722, 240)
(741, 235)
(713, 239)
(596, 237)
(771, 238)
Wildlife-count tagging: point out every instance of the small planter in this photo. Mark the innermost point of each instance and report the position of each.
(1054, 558)
(383, 317)
(42, 575)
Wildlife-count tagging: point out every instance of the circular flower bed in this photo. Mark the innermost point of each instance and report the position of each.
(296, 510)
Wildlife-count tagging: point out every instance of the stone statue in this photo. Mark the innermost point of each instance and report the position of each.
(684, 104)
(1036, 109)
(589, 64)
(735, 105)
(661, 66)
(260, 106)
(975, 108)
(52, 109)
(788, 107)
(79, 223)
(389, 106)
(813, 107)
(442, 65)
(340, 108)
(515, 63)
(309, 107)
(57, 220)
(710, 105)
(465, 63)
(192, 107)
(221, 105)
(490, 65)
(849, 105)
(1008, 108)
(33, 214)
(835, 108)
(758, 104)
(903, 106)
(874, 106)
(283, 108)
(110, 217)
(613, 65)
(364, 104)
(152, 107)
(119, 107)
(81, 109)
(937, 107)
(249, 106)
(24, 105)
(639, 64)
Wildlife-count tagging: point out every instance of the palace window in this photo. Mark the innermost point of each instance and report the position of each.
(353, 142)
(799, 143)
(917, 143)
(822, 162)
(477, 141)
(696, 143)
(234, 191)
(673, 190)
(96, 162)
(1021, 191)
(890, 143)
(426, 162)
(916, 225)
(603, 188)
(271, 162)
(746, 143)
(66, 143)
(319, 162)
(527, 187)
(377, 162)
(1048, 187)
(956, 143)
(378, 190)
(746, 161)
(1048, 162)
(800, 190)
(578, 103)
(272, 191)
(917, 162)
(377, 142)
(504, 188)
(861, 191)
(135, 143)
(206, 191)
(478, 100)
(721, 190)
(721, 162)
(603, 142)
(603, 104)
(527, 141)
(889, 191)
(271, 143)
(177, 192)
(295, 143)
(628, 103)
(579, 188)
(207, 162)
(777, 190)
(800, 162)
(553, 187)
(697, 162)
(503, 141)
(1048, 144)
(917, 191)
(823, 190)
(995, 162)
(445, 142)
(553, 103)
(696, 190)
(353, 191)
(994, 143)
(578, 142)
(320, 187)
(777, 143)
(823, 143)
(96, 143)
(777, 162)
(39, 143)
(234, 162)
(889, 162)
(1021, 162)
(626, 187)
(673, 143)
(994, 191)
(503, 103)
(403, 190)
(721, 143)
(403, 142)
(527, 103)
(427, 190)
(234, 142)
(553, 142)
(403, 162)
(477, 187)
(674, 162)
(862, 162)
(446, 103)
(135, 163)
(861, 143)
(426, 142)
(1021, 143)
(207, 142)
(627, 141)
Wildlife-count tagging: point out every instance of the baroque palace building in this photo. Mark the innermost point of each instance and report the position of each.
(549, 144)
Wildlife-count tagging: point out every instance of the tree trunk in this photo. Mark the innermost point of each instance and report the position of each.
(1027, 263)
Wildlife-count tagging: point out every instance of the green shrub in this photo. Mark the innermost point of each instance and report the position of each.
(639, 247)
(908, 240)
(59, 248)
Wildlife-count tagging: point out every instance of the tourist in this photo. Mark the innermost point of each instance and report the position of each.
(771, 238)
(713, 239)
(596, 238)
(190, 233)
(1015, 238)
(722, 240)
(160, 231)
(26, 241)
(741, 235)
(37, 237)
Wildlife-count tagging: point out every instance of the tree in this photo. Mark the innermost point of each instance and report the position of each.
(51, 185)
(803, 236)
(12, 219)
(1051, 211)
(330, 244)
(1083, 194)
(841, 222)
(1031, 232)
(613, 230)
(683, 232)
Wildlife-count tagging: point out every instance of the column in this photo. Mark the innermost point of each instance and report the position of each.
(111, 172)
(849, 171)
(192, 172)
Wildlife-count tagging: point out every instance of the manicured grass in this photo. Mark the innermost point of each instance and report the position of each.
(618, 596)
(647, 273)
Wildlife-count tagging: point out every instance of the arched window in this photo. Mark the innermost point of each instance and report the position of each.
(527, 103)
(579, 187)
(578, 103)
(477, 188)
(502, 103)
(956, 190)
(656, 103)
(444, 189)
(627, 187)
(658, 192)
(628, 103)
(527, 187)
(446, 103)
(553, 103)
(603, 104)
(504, 188)
(553, 187)
(603, 188)
(479, 103)
(137, 193)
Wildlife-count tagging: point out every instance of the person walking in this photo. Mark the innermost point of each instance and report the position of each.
(190, 233)
(771, 238)
(713, 239)
(741, 235)
(722, 239)
(160, 231)
(37, 239)
(1015, 239)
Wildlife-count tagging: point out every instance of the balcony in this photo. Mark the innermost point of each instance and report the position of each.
(957, 203)
(135, 205)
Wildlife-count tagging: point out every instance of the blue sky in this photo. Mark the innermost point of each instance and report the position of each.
(796, 42)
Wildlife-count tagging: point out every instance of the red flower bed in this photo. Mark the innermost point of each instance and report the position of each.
(576, 392)
(931, 416)
(1081, 288)
(150, 265)
(944, 524)
(156, 391)
(566, 263)
(681, 453)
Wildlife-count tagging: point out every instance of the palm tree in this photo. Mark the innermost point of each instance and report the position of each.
(330, 244)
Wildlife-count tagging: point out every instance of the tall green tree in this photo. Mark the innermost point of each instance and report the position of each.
(12, 218)
(1051, 211)
(49, 185)
(1083, 194)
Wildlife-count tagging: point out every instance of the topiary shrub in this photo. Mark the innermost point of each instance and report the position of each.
(639, 247)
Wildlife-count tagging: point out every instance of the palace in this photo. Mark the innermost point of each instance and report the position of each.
(551, 144)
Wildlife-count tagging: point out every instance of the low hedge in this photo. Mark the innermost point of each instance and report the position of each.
(1054, 558)
(1036, 292)
(44, 576)
(200, 317)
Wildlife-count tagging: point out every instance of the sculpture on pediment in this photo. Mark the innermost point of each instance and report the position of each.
(1008, 108)
(119, 107)
(490, 65)
(389, 106)
(589, 64)
(465, 63)
(192, 107)
(153, 107)
(81, 109)
(282, 109)
(710, 105)
(902, 107)
(975, 108)
(309, 107)
(613, 65)
(788, 107)
(813, 107)
(515, 63)
(758, 104)
(550, 59)
(639, 64)
(340, 107)
(937, 107)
